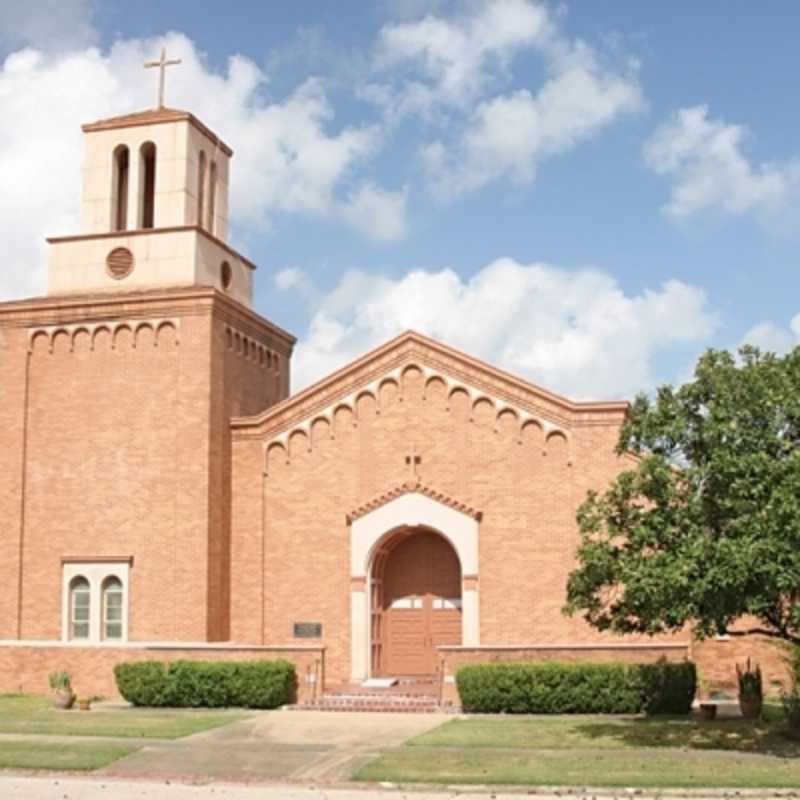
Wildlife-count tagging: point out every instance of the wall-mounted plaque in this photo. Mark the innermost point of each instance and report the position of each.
(307, 630)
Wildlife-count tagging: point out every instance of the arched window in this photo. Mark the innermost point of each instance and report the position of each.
(212, 196)
(119, 213)
(147, 161)
(201, 186)
(112, 608)
(79, 608)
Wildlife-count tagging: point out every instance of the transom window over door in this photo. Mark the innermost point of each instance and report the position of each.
(80, 597)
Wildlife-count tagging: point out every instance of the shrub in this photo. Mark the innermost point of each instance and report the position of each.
(548, 688)
(207, 684)
(668, 688)
(143, 683)
(582, 688)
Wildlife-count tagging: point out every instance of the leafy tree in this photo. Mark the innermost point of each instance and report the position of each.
(706, 528)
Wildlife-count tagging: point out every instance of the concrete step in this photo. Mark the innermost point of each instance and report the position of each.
(372, 702)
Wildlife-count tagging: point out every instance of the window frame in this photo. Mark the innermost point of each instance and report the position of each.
(105, 591)
(80, 585)
(97, 572)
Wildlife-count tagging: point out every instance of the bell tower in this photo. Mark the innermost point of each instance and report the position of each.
(154, 210)
(119, 387)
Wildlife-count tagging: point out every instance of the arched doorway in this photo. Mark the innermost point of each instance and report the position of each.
(416, 602)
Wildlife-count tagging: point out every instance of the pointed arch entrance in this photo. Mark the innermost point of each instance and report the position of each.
(389, 538)
(416, 602)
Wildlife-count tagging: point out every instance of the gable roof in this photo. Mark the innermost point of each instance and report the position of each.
(435, 359)
(155, 116)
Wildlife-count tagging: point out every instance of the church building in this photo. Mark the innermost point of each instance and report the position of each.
(164, 495)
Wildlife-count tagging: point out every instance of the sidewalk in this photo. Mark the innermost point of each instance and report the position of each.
(275, 746)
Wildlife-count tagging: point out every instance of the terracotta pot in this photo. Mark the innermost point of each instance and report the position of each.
(708, 711)
(750, 707)
(64, 699)
(84, 705)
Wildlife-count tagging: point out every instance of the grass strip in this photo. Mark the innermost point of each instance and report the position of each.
(35, 715)
(80, 756)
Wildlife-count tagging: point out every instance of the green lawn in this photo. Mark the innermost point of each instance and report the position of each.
(609, 733)
(595, 751)
(78, 756)
(32, 714)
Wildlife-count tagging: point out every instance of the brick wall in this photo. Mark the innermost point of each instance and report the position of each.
(115, 415)
(26, 668)
(13, 392)
(716, 661)
(291, 544)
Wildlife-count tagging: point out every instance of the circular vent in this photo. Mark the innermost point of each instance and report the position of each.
(226, 275)
(119, 263)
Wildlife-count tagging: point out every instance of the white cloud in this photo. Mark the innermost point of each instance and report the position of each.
(298, 280)
(449, 70)
(289, 157)
(574, 332)
(291, 278)
(704, 157)
(453, 60)
(59, 24)
(511, 134)
(769, 336)
(380, 214)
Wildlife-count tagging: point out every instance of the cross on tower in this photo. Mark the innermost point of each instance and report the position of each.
(413, 460)
(162, 65)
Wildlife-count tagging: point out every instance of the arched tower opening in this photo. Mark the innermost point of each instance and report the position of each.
(147, 195)
(201, 186)
(212, 196)
(119, 188)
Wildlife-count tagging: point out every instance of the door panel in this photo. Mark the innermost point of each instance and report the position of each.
(421, 604)
(408, 645)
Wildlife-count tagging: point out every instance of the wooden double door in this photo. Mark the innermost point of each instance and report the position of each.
(420, 604)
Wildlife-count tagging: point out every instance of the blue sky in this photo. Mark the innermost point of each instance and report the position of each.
(587, 194)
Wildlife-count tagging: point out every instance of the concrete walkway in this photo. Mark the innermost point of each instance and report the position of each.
(308, 746)
(12, 788)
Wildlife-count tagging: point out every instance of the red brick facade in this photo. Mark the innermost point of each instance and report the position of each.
(118, 442)
(154, 428)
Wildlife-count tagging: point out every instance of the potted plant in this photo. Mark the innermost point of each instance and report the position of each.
(751, 692)
(61, 684)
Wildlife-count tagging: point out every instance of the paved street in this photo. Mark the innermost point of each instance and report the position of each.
(100, 789)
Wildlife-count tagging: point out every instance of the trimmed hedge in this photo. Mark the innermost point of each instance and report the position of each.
(668, 688)
(206, 684)
(581, 688)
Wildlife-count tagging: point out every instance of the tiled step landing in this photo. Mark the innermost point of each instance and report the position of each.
(407, 697)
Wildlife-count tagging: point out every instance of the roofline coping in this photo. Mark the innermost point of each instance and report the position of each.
(128, 121)
(572, 406)
(66, 302)
(86, 237)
